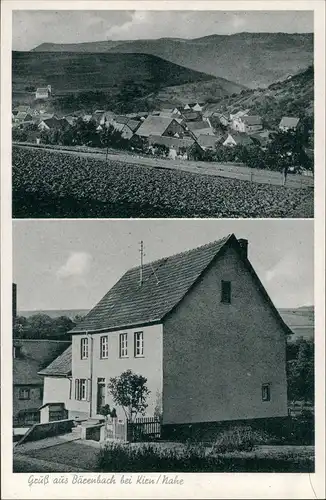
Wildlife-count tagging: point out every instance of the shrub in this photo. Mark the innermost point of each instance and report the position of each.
(239, 439)
(194, 458)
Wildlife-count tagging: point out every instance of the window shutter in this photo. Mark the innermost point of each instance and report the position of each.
(76, 388)
(70, 387)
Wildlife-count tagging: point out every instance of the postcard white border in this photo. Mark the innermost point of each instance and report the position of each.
(195, 485)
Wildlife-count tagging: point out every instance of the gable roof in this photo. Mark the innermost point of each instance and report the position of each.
(42, 89)
(61, 366)
(252, 120)
(200, 125)
(208, 141)
(154, 125)
(133, 124)
(22, 107)
(165, 283)
(241, 139)
(55, 123)
(289, 121)
(191, 115)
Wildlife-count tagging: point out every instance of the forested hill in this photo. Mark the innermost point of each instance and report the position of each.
(291, 97)
(250, 59)
(66, 71)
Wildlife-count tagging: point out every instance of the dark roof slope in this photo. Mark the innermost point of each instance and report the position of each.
(33, 356)
(165, 283)
(61, 366)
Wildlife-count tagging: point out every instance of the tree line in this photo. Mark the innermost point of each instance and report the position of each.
(42, 326)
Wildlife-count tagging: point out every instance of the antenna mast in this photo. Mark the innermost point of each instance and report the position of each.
(141, 263)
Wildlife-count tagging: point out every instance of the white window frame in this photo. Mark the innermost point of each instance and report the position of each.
(84, 348)
(81, 387)
(104, 347)
(267, 388)
(139, 344)
(123, 345)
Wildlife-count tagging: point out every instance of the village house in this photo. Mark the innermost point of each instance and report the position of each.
(29, 357)
(191, 116)
(158, 125)
(71, 119)
(262, 139)
(43, 92)
(239, 113)
(177, 147)
(289, 123)
(170, 112)
(224, 119)
(247, 124)
(53, 124)
(106, 118)
(200, 128)
(206, 307)
(208, 141)
(194, 106)
(22, 118)
(125, 125)
(237, 139)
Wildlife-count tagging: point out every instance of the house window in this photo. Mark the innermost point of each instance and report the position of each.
(104, 347)
(24, 394)
(81, 389)
(226, 292)
(266, 392)
(139, 344)
(84, 348)
(123, 345)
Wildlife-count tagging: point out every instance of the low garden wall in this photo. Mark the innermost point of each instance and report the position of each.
(49, 429)
(282, 430)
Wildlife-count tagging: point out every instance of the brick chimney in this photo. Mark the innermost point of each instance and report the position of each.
(244, 247)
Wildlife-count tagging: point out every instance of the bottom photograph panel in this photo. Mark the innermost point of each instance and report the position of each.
(163, 346)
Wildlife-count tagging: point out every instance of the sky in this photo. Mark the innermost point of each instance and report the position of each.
(71, 264)
(31, 28)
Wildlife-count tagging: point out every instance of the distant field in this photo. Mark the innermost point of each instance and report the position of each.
(52, 184)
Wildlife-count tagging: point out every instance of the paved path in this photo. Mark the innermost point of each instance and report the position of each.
(208, 168)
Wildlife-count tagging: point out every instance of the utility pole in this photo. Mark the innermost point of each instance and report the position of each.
(141, 262)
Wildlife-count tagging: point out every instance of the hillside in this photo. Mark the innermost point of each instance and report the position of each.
(69, 71)
(292, 97)
(199, 91)
(55, 313)
(300, 320)
(250, 59)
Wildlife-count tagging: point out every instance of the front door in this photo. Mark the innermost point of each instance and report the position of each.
(100, 395)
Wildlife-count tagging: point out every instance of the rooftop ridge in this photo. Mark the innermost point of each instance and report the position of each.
(184, 252)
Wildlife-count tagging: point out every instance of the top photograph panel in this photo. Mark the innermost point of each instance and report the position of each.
(162, 114)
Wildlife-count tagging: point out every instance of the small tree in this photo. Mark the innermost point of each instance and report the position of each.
(130, 392)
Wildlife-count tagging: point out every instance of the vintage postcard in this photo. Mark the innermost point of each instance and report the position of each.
(163, 249)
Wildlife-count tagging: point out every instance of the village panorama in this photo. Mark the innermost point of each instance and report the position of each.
(147, 128)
